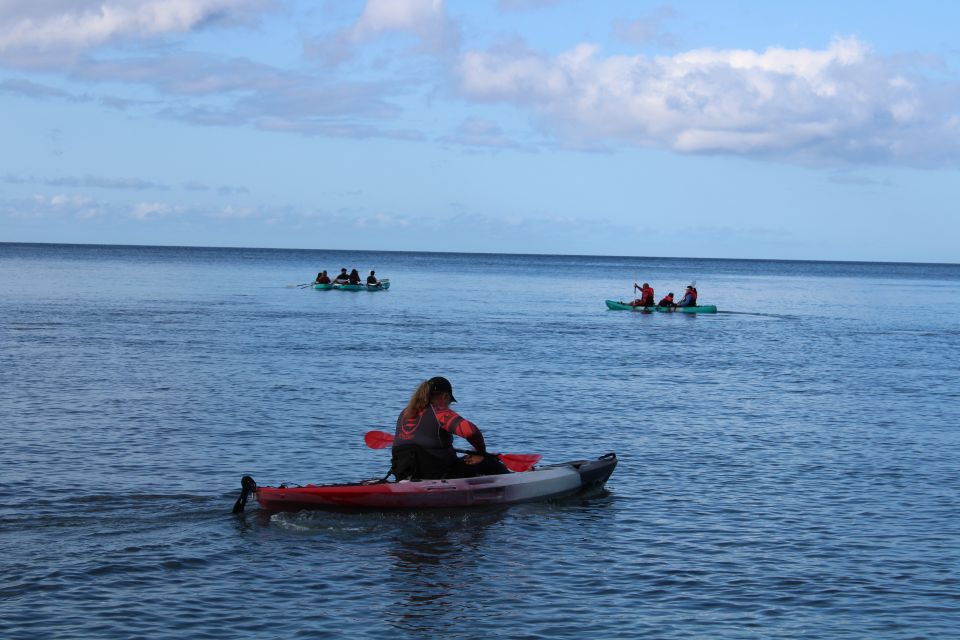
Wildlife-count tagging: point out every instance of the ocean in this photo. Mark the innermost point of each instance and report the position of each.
(788, 466)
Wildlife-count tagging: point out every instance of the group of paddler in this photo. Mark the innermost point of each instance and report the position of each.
(647, 298)
(346, 278)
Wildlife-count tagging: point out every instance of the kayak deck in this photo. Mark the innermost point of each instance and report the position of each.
(623, 306)
(544, 482)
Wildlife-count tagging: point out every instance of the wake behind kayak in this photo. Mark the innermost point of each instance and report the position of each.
(544, 482)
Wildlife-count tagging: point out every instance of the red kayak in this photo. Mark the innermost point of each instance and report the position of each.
(543, 482)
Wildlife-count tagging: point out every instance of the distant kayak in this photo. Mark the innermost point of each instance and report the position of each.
(384, 284)
(623, 306)
(544, 482)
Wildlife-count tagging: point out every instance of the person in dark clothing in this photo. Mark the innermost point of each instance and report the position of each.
(354, 277)
(372, 279)
(666, 301)
(343, 277)
(323, 278)
(423, 442)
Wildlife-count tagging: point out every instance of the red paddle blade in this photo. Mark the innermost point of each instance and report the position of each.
(378, 439)
(519, 461)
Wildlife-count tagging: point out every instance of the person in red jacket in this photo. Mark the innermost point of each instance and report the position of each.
(646, 296)
(667, 301)
(423, 441)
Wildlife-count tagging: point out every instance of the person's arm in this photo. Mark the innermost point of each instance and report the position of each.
(459, 426)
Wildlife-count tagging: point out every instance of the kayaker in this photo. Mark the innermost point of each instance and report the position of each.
(423, 442)
(689, 298)
(323, 278)
(372, 279)
(354, 277)
(343, 277)
(666, 301)
(646, 295)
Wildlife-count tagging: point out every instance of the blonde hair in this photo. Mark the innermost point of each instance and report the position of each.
(418, 401)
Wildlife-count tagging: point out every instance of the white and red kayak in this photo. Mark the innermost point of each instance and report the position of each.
(543, 482)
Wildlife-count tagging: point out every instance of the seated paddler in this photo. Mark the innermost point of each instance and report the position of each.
(423, 441)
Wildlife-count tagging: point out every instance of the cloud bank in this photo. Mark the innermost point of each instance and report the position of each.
(841, 103)
(836, 105)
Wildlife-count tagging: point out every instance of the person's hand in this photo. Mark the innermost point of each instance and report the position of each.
(473, 458)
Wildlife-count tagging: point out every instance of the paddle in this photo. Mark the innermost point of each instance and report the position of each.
(512, 461)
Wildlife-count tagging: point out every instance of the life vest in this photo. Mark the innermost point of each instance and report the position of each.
(646, 296)
(425, 431)
(667, 300)
(693, 300)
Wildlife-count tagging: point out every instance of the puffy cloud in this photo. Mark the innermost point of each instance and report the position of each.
(838, 103)
(427, 19)
(62, 28)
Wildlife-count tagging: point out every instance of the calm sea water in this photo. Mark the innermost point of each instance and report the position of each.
(789, 466)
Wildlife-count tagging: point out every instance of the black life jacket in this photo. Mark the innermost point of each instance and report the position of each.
(424, 431)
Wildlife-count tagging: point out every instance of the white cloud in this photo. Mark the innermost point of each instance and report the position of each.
(73, 26)
(425, 20)
(836, 103)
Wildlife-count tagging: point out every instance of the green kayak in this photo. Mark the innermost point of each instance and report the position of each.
(623, 306)
(384, 284)
(323, 287)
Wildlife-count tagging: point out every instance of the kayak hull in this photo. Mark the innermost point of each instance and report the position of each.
(384, 285)
(544, 482)
(323, 287)
(623, 306)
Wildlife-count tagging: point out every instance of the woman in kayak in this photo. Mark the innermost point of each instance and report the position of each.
(667, 301)
(423, 442)
(354, 277)
(689, 298)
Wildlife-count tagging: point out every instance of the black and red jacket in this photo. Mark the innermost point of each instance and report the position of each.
(433, 430)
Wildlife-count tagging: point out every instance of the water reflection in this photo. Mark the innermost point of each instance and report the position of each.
(438, 559)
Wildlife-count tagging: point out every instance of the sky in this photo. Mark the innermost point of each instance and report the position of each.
(727, 129)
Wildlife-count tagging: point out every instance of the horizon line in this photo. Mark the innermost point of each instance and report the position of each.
(477, 253)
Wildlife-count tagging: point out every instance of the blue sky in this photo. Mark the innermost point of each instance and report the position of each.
(816, 130)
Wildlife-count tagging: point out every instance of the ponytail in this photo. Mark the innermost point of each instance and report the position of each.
(418, 401)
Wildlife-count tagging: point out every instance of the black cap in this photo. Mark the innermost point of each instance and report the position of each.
(439, 384)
